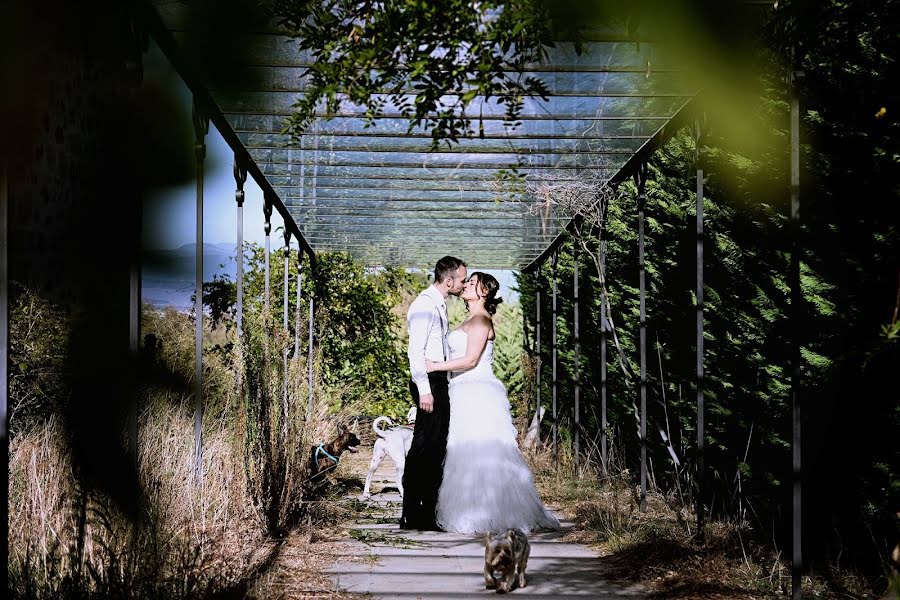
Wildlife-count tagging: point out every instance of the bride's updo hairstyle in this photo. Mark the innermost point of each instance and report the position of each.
(489, 287)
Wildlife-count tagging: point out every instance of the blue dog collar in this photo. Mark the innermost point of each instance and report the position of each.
(321, 449)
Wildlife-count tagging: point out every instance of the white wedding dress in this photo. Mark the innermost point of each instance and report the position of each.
(486, 486)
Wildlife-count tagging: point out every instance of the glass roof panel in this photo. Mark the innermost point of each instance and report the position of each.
(378, 190)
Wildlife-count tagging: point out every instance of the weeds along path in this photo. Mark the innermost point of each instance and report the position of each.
(400, 564)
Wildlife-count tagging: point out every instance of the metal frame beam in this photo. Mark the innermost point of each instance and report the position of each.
(538, 289)
(240, 177)
(286, 322)
(658, 139)
(201, 128)
(555, 349)
(796, 316)
(700, 374)
(152, 22)
(577, 344)
(604, 457)
(640, 180)
(268, 202)
(4, 320)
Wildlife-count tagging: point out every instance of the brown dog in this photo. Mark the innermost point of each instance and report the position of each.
(324, 458)
(505, 558)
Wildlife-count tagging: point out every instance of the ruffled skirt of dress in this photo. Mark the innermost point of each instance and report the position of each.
(486, 485)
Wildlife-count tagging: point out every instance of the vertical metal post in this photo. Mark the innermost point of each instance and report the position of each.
(4, 320)
(604, 457)
(134, 328)
(297, 307)
(287, 274)
(640, 179)
(201, 128)
(701, 409)
(287, 281)
(309, 355)
(537, 345)
(267, 227)
(240, 177)
(300, 252)
(4, 327)
(796, 315)
(553, 362)
(139, 45)
(577, 395)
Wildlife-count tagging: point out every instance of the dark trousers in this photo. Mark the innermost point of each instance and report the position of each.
(425, 459)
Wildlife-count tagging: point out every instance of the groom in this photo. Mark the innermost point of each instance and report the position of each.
(428, 327)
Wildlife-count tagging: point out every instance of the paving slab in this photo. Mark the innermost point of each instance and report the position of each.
(431, 565)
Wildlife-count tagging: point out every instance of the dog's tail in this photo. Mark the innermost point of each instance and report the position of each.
(378, 431)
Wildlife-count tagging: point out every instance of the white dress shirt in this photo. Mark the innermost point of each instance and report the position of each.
(428, 326)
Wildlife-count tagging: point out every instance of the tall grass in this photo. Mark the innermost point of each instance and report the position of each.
(194, 537)
(658, 546)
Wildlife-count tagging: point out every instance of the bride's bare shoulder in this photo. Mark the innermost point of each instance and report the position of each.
(482, 322)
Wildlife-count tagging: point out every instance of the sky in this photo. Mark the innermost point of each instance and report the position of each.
(170, 213)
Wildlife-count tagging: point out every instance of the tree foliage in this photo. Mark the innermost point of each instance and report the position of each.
(425, 60)
(356, 328)
(849, 282)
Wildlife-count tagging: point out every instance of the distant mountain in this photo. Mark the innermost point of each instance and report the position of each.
(169, 275)
(213, 249)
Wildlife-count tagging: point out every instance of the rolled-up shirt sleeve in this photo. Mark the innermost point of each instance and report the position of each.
(420, 319)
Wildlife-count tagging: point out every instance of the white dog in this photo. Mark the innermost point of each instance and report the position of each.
(394, 442)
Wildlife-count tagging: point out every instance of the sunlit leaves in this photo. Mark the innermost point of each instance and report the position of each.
(431, 61)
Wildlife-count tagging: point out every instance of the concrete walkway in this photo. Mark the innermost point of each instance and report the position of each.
(439, 566)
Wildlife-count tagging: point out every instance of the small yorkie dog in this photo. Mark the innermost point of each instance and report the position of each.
(505, 554)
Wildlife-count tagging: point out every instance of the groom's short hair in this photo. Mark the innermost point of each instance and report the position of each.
(446, 267)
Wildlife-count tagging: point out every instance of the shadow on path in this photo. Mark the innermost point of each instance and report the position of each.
(437, 565)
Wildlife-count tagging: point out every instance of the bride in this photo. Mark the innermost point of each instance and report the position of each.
(486, 486)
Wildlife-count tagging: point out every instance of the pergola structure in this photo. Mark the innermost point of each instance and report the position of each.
(381, 193)
(384, 195)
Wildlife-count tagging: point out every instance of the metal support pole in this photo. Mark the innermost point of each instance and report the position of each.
(240, 177)
(640, 179)
(701, 409)
(139, 45)
(287, 281)
(267, 213)
(299, 252)
(555, 379)
(287, 274)
(4, 320)
(796, 315)
(537, 346)
(604, 457)
(309, 355)
(4, 327)
(577, 395)
(297, 307)
(134, 328)
(201, 128)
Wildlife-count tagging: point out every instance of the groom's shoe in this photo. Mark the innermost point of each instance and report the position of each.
(432, 526)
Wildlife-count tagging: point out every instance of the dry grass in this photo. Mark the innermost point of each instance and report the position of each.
(658, 547)
(299, 572)
(194, 538)
(300, 569)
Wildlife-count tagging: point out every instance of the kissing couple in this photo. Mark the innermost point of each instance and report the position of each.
(464, 471)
